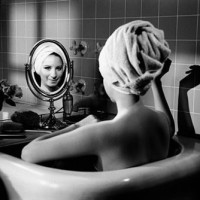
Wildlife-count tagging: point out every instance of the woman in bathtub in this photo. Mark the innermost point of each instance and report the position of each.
(133, 59)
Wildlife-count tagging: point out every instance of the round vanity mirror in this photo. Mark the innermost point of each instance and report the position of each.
(48, 74)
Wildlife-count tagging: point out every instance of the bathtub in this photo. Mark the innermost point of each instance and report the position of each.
(176, 177)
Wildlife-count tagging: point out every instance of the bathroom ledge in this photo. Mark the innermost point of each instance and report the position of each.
(8, 110)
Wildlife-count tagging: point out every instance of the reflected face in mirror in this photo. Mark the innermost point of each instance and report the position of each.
(51, 72)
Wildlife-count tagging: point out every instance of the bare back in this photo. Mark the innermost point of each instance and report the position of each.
(135, 138)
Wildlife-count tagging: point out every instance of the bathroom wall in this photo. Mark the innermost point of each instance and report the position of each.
(24, 22)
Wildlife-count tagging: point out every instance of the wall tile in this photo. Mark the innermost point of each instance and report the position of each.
(89, 9)
(146, 5)
(12, 29)
(196, 101)
(30, 98)
(168, 8)
(11, 75)
(20, 78)
(75, 28)
(169, 77)
(51, 10)
(102, 28)
(12, 12)
(42, 29)
(115, 23)
(153, 20)
(5, 29)
(117, 8)
(12, 59)
(77, 66)
(169, 95)
(186, 7)
(21, 28)
(21, 45)
(63, 29)
(4, 60)
(1, 73)
(198, 33)
(148, 98)
(88, 28)
(186, 52)
(130, 19)
(31, 11)
(196, 119)
(172, 46)
(75, 9)
(187, 28)
(63, 9)
(198, 54)
(31, 28)
(102, 8)
(4, 12)
(66, 43)
(21, 60)
(30, 42)
(133, 8)
(51, 28)
(20, 11)
(91, 48)
(12, 45)
(89, 86)
(168, 25)
(87, 69)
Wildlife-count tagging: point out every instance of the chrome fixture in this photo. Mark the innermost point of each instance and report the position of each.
(79, 48)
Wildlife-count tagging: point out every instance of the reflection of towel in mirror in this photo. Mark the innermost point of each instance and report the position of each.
(45, 50)
(132, 55)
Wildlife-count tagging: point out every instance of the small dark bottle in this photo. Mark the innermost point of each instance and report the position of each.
(67, 105)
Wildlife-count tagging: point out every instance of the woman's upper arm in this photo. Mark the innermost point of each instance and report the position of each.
(82, 141)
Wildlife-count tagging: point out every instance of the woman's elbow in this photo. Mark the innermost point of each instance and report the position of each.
(27, 154)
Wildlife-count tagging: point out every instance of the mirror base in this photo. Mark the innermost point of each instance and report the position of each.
(52, 123)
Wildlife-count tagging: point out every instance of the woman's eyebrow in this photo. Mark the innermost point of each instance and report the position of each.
(45, 66)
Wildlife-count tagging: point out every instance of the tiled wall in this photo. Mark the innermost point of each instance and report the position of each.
(24, 22)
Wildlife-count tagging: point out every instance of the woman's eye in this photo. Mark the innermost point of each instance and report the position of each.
(59, 68)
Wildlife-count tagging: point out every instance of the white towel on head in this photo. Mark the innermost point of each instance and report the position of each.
(132, 55)
(43, 51)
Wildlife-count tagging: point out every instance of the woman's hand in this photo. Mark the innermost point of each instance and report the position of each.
(160, 73)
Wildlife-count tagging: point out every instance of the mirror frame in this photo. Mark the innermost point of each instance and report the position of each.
(31, 80)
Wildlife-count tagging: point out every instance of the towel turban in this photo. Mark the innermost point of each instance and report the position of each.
(43, 51)
(132, 55)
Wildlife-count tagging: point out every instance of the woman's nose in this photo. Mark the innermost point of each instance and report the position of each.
(53, 73)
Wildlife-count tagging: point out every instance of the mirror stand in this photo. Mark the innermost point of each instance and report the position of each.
(52, 122)
(36, 74)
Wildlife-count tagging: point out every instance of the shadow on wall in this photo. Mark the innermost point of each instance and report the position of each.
(191, 80)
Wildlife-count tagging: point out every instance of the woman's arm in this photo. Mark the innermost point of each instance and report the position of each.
(81, 141)
(159, 97)
(91, 119)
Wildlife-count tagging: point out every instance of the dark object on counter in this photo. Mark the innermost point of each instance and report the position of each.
(11, 127)
(29, 119)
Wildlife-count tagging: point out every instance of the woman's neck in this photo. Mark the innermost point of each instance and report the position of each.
(128, 102)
